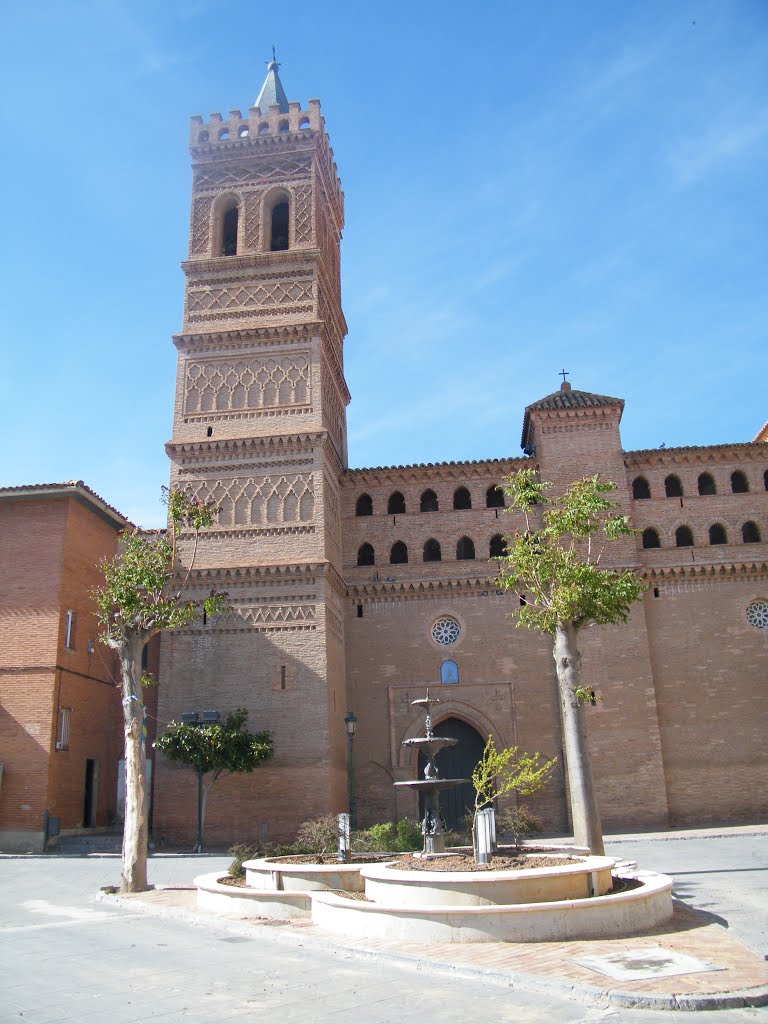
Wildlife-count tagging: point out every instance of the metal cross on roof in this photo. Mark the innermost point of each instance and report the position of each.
(564, 374)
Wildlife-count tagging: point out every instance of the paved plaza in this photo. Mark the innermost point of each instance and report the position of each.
(70, 956)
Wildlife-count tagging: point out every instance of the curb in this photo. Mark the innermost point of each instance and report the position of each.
(281, 932)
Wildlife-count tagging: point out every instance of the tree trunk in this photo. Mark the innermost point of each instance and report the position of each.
(135, 831)
(587, 830)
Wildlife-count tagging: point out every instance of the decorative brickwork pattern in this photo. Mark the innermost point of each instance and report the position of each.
(246, 384)
(252, 222)
(302, 198)
(334, 413)
(239, 174)
(268, 500)
(238, 296)
(263, 617)
(199, 242)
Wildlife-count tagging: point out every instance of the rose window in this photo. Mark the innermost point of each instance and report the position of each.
(446, 631)
(757, 613)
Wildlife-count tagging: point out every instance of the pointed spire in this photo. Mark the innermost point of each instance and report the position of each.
(272, 92)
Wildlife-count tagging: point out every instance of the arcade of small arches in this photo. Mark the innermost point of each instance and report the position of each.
(243, 131)
(226, 228)
(462, 499)
(684, 538)
(706, 485)
(432, 551)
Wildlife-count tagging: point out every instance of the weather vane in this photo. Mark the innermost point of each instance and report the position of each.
(274, 57)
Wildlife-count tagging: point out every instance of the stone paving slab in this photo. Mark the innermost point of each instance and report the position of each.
(742, 981)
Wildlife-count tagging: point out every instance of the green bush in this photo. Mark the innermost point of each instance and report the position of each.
(403, 837)
(239, 853)
(518, 822)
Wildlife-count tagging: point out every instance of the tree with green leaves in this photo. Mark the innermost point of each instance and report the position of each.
(214, 749)
(142, 594)
(510, 770)
(554, 565)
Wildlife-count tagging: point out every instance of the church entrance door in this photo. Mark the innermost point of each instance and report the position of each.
(455, 763)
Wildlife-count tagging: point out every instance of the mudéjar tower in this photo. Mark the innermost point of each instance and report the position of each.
(260, 427)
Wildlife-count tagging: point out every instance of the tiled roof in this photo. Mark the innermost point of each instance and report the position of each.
(565, 398)
(74, 487)
(690, 448)
(433, 465)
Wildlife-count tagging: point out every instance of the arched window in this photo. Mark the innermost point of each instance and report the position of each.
(429, 502)
(707, 484)
(243, 131)
(465, 549)
(750, 533)
(449, 673)
(203, 137)
(278, 239)
(396, 504)
(303, 123)
(263, 128)
(366, 555)
(739, 482)
(498, 548)
(672, 487)
(640, 488)
(223, 134)
(651, 538)
(399, 553)
(494, 497)
(282, 126)
(462, 498)
(364, 506)
(684, 537)
(765, 479)
(229, 232)
(717, 534)
(432, 551)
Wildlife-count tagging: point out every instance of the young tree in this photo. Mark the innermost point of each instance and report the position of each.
(554, 566)
(142, 595)
(499, 772)
(214, 749)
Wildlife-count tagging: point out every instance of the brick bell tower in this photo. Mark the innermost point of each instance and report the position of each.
(260, 427)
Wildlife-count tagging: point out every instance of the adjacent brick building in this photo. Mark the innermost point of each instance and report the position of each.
(60, 732)
(359, 588)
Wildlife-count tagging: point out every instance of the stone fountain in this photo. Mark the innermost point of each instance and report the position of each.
(431, 785)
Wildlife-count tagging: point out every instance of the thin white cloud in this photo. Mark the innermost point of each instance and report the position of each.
(730, 139)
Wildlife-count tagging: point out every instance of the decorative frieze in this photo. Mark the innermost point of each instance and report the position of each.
(223, 385)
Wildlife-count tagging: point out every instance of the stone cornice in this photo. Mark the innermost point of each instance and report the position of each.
(252, 261)
(434, 471)
(696, 455)
(719, 571)
(304, 572)
(246, 446)
(382, 590)
(196, 342)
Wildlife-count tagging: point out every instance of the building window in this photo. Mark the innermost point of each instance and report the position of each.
(651, 538)
(446, 631)
(465, 549)
(494, 497)
(396, 504)
(462, 498)
(62, 732)
(717, 534)
(684, 537)
(399, 553)
(750, 533)
(739, 483)
(229, 231)
(429, 502)
(449, 673)
(69, 630)
(279, 234)
(707, 484)
(364, 506)
(640, 488)
(672, 487)
(432, 551)
(365, 555)
(765, 479)
(498, 548)
(757, 614)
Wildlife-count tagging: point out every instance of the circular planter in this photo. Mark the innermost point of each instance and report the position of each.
(240, 901)
(281, 875)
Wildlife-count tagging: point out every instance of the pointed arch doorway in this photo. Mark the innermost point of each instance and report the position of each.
(455, 763)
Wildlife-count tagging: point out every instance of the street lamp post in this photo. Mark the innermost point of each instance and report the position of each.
(350, 721)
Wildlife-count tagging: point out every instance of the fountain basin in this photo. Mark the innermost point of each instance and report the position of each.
(244, 901)
(279, 874)
(596, 917)
(588, 876)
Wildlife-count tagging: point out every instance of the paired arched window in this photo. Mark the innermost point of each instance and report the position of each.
(364, 506)
(498, 548)
(717, 534)
(684, 537)
(462, 498)
(739, 482)
(399, 553)
(278, 238)
(651, 538)
(449, 673)
(641, 488)
(432, 551)
(396, 504)
(494, 497)
(672, 487)
(707, 484)
(429, 501)
(750, 533)
(366, 555)
(465, 549)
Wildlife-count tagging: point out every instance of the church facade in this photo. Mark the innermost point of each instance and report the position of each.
(357, 589)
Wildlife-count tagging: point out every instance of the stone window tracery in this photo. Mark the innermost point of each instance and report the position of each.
(757, 614)
(446, 631)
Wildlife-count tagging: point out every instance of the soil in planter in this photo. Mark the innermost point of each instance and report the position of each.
(499, 862)
(236, 883)
(328, 859)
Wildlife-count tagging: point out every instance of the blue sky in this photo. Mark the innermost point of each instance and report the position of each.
(529, 186)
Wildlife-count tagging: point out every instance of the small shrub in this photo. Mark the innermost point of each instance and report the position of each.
(241, 852)
(409, 835)
(518, 822)
(386, 837)
(319, 836)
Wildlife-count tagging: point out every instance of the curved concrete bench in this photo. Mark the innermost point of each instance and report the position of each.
(597, 917)
(586, 876)
(237, 901)
(278, 874)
